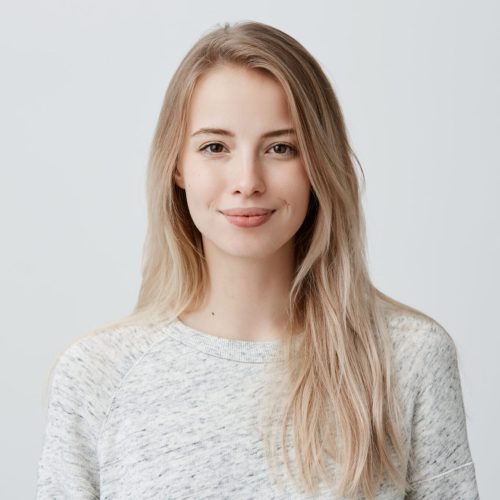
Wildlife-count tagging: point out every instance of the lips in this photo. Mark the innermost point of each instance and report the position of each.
(248, 212)
(248, 217)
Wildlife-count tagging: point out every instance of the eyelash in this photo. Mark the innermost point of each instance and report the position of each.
(292, 151)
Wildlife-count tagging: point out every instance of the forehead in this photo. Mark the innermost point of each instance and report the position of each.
(234, 96)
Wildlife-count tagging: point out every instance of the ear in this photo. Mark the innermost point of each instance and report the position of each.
(178, 178)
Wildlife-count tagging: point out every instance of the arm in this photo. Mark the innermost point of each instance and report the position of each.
(441, 466)
(68, 466)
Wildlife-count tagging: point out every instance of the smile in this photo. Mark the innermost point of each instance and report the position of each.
(249, 220)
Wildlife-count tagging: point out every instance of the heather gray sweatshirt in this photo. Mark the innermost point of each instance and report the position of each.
(171, 413)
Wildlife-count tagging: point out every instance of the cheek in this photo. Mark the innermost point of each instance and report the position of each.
(296, 187)
(202, 187)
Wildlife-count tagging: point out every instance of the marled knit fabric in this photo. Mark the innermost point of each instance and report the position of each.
(172, 412)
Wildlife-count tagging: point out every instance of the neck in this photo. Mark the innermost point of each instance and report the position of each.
(247, 297)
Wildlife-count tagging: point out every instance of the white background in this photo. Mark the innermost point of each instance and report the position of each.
(81, 88)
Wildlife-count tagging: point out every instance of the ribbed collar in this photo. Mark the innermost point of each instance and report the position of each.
(246, 351)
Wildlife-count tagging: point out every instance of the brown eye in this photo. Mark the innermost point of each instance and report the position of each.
(284, 149)
(209, 149)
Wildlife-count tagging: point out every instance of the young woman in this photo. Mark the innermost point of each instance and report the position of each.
(260, 361)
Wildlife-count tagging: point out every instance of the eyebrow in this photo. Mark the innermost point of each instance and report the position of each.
(220, 131)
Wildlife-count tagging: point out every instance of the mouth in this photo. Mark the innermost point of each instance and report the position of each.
(248, 221)
(247, 212)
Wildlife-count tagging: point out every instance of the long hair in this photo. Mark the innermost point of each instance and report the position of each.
(339, 395)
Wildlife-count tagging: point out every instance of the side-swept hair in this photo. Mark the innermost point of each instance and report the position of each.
(339, 396)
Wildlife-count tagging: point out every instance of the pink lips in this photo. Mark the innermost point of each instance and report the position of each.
(248, 217)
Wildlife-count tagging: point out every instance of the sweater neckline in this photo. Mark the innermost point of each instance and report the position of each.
(246, 351)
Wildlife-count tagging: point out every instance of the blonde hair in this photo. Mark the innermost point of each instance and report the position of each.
(340, 396)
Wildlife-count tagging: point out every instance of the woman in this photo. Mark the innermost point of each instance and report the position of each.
(260, 361)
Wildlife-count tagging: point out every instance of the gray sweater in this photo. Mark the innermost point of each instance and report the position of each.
(171, 413)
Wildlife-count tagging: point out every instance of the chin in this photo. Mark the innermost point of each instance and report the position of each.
(245, 245)
(248, 251)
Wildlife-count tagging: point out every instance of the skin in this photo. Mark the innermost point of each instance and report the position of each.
(250, 269)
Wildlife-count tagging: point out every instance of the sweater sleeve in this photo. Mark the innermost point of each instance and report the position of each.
(440, 466)
(68, 466)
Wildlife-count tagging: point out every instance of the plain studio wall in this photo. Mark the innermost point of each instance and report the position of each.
(82, 85)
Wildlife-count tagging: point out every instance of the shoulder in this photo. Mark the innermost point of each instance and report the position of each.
(109, 350)
(89, 371)
(415, 335)
(422, 347)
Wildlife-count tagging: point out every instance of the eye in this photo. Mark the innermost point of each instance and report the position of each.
(208, 149)
(281, 149)
(291, 150)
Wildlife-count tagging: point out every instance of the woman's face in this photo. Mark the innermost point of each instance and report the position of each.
(241, 165)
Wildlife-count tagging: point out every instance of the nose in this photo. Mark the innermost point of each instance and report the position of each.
(248, 174)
